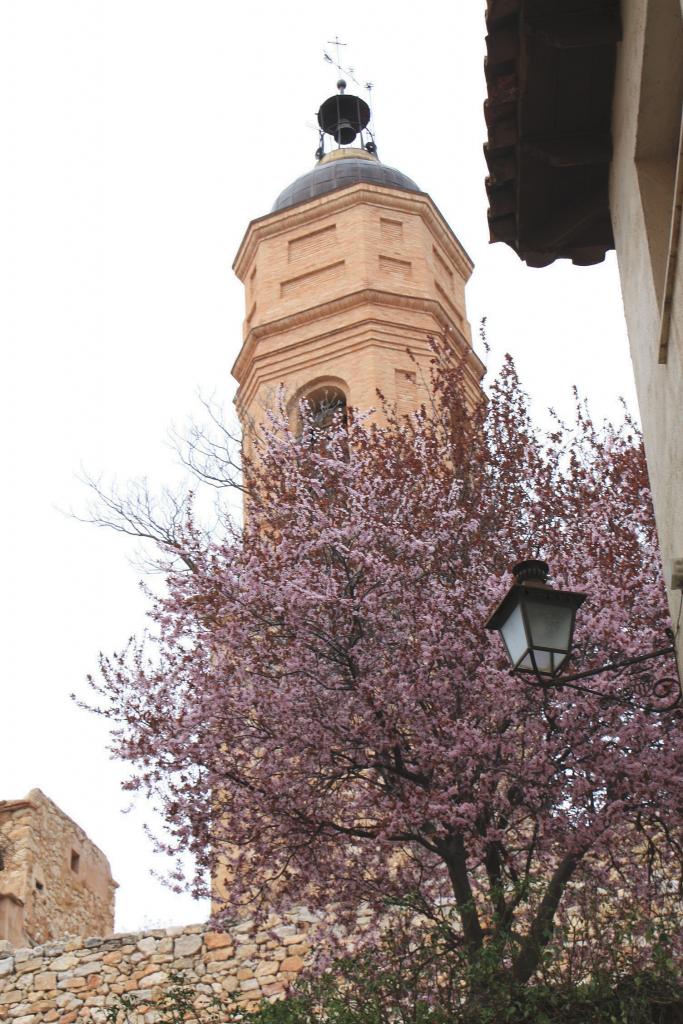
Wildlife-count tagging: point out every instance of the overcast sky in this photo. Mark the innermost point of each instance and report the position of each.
(138, 139)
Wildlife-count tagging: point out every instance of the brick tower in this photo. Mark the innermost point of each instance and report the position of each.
(353, 267)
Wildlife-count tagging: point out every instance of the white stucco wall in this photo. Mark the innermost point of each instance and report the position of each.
(646, 105)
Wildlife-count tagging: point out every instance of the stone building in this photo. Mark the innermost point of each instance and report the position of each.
(585, 137)
(54, 881)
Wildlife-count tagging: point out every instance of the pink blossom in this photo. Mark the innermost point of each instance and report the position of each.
(320, 707)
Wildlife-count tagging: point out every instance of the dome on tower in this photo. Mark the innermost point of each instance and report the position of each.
(338, 169)
(343, 117)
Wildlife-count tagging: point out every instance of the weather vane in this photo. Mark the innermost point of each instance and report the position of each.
(348, 72)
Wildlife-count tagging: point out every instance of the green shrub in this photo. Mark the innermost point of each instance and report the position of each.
(363, 990)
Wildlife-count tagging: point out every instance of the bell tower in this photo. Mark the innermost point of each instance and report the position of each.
(346, 280)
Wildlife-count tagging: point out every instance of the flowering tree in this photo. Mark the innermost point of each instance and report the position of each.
(326, 722)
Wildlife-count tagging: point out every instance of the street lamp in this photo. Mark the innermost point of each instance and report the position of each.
(535, 621)
(536, 624)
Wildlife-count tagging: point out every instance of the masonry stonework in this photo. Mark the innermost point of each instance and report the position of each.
(53, 879)
(78, 979)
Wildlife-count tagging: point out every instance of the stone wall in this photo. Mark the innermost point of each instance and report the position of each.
(76, 980)
(53, 879)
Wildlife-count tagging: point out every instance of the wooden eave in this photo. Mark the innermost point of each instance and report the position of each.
(550, 79)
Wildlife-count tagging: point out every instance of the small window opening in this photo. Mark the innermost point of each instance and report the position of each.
(39, 886)
(75, 861)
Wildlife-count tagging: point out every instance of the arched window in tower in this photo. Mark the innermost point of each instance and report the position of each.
(317, 408)
(326, 405)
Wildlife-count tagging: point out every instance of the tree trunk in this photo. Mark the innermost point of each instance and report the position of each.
(541, 929)
(453, 852)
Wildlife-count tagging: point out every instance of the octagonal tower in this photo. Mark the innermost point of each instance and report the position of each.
(345, 281)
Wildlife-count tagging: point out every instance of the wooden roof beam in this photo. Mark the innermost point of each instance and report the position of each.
(580, 151)
(569, 225)
(578, 29)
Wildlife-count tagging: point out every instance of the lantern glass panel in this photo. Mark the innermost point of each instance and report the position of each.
(550, 626)
(514, 634)
(545, 663)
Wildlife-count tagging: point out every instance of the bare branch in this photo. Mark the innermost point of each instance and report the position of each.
(160, 519)
(211, 451)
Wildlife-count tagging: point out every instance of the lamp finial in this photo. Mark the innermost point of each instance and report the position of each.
(531, 570)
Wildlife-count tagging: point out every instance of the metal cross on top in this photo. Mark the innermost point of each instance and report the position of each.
(336, 42)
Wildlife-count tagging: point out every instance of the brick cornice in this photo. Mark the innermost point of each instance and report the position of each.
(255, 377)
(371, 296)
(342, 199)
